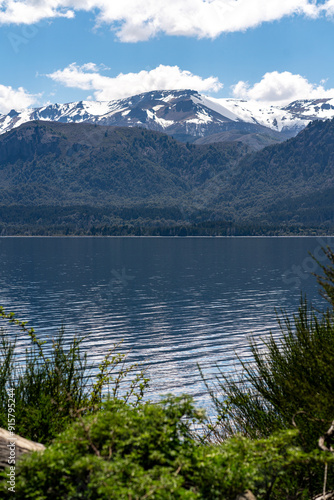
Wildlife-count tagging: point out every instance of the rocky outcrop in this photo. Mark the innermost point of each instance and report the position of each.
(13, 446)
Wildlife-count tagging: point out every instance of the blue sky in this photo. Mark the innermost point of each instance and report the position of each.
(67, 50)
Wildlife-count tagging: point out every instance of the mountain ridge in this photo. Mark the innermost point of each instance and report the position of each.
(186, 115)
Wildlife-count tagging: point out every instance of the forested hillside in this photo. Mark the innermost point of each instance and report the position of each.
(86, 179)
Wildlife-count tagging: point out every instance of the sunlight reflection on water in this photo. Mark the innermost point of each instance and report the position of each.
(174, 302)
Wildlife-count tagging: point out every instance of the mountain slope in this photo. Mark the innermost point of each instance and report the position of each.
(67, 164)
(186, 115)
(83, 176)
(289, 119)
(292, 178)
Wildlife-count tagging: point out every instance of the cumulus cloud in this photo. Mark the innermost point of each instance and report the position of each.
(15, 99)
(135, 20)
(31, 11)
(281, 88)
(328, 8)
(87, 77)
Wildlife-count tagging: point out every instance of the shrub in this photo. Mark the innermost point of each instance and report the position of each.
(124, 452)
(288, 383)
(52, 386)
(119, 453)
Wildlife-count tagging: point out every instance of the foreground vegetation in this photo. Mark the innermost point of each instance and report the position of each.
(105, 442)
(124, 452)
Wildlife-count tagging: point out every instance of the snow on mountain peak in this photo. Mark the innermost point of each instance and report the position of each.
(183, 113)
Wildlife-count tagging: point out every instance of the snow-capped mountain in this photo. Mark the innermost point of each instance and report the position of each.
(289, 119)
(185, 114)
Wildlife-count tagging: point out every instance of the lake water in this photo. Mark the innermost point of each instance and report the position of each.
(174, 302)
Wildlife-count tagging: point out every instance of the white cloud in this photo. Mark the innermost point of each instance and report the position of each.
(31, 11)
(328, 7)
(105, 88)
(135, 20)
(15, 99)
(281, 88)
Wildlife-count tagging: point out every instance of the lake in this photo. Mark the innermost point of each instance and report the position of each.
(174, 302)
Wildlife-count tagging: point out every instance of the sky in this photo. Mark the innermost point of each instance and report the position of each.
(270, 51)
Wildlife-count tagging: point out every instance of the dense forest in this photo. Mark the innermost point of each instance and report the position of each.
(82, 179)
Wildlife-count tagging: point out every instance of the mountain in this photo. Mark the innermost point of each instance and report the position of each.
(291, 181)
(254, 141)
(288, 120)
(58, 178)
(48, 163)
(186, 115)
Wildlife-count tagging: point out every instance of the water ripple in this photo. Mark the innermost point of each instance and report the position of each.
(174, 303)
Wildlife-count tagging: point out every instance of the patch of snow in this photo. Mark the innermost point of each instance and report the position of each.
(168, 98)
(116, 110)
(215, 105)
(200, 119)
(164, 123)
(97, 108)
(266, 115)
(158, 106)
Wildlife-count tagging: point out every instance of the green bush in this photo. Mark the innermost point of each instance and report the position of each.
(123, 453)
(289, 380)
(51, 387)
(289, 383)
(120, 452)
